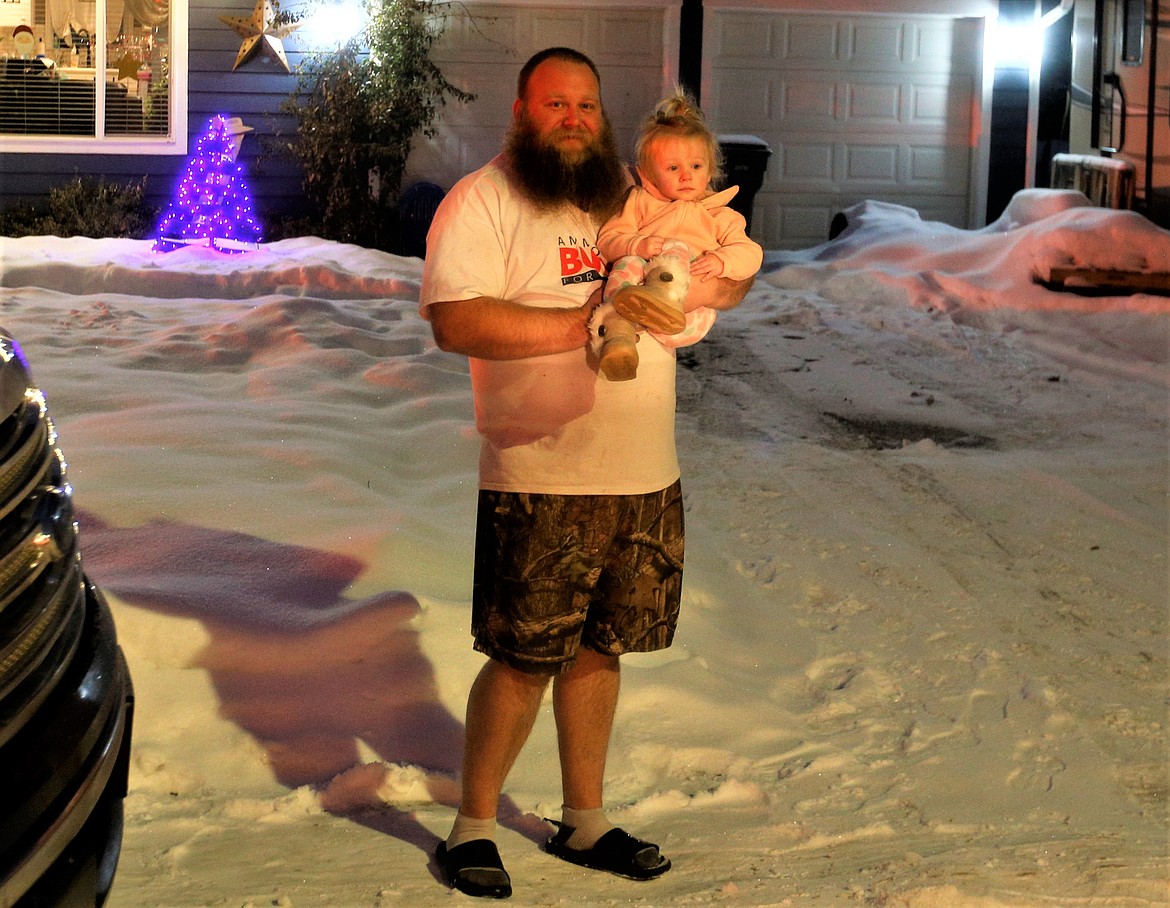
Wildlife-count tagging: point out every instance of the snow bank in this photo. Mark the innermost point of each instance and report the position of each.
(922, 660)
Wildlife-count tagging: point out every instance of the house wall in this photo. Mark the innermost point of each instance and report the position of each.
(253, 92)
(486, 39)
(891, 100)
(485, 45)
(637, 46)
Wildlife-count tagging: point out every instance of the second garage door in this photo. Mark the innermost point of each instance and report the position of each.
(853, 108)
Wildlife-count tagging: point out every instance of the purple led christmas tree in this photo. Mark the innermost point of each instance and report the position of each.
(212, 206)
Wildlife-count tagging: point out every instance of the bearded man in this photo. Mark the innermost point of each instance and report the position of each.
(579, 535)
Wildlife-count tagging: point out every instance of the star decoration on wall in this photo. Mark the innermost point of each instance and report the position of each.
(260, 33)
(127, 67)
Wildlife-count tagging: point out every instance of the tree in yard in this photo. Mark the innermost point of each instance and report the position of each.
(358, 108)
(212, 205)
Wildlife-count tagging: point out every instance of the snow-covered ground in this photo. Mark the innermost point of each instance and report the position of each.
(923, 655)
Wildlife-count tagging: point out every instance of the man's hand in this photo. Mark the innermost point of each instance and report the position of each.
(590, 307)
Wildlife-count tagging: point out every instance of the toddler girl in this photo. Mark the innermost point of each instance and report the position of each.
(672, 227)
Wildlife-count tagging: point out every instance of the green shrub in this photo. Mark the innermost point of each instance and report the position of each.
(284, 226)
(358, 109)
(21, 219)
(84, 207)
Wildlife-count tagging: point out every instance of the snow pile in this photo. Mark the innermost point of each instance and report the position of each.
(922, 659)
(994, 279)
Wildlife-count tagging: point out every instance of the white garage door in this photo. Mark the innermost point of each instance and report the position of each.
(484, 47)
(854, 108)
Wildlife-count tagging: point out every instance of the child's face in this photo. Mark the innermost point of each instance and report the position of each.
(678, 166)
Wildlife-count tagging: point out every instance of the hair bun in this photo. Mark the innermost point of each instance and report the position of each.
(678, 108)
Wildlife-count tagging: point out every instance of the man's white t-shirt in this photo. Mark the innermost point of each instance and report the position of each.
(549, 424)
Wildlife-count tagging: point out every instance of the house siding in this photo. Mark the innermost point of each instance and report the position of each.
(639, 61)
(254, 93)
(256, 90)
(484, 47)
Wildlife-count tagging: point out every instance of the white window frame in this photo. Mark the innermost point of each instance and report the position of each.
(171, 143)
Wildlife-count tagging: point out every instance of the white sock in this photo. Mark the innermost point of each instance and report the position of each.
(468, 829)
(588, 826)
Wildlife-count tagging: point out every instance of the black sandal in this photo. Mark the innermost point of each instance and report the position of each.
(616, 852)
(475, 868)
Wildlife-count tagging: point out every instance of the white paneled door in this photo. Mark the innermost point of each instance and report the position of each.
(854, 108)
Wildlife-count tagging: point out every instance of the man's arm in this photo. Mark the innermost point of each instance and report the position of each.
(489, 328)
(721, 293)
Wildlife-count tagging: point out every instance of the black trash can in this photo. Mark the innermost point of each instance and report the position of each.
(745, 158)
(416, 210)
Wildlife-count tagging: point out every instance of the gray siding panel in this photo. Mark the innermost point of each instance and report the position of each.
(254, 92)
(482, 52)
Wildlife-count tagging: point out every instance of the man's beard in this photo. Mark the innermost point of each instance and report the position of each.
(594, 178)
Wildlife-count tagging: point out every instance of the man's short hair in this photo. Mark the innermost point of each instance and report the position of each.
(566, 54)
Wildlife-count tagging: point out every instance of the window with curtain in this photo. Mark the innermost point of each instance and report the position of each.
(102, 70)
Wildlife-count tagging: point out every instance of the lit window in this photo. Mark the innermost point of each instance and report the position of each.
(89, 76)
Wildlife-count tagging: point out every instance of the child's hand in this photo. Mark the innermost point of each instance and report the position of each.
(707, 266)
(649, 246)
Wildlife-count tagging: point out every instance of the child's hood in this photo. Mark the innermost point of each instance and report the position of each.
(711, 200)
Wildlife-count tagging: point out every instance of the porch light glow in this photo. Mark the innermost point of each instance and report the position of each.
(1018, 44)
(330, 25)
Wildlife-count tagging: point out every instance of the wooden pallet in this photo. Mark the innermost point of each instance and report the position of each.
(1108, 281)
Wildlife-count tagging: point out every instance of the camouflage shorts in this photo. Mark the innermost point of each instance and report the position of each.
(555, 572)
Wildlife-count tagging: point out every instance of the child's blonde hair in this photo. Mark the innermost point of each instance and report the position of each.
(679, 115)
